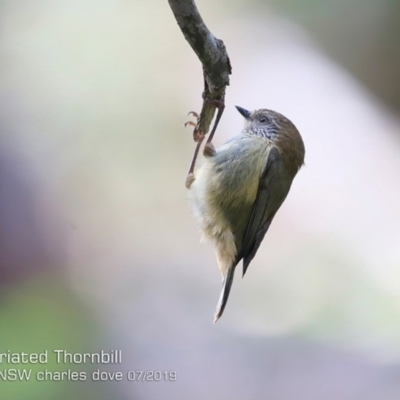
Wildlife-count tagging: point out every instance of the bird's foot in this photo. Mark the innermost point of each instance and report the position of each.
(220, 104)
(197, 134)
(209, 150)
(189, 180)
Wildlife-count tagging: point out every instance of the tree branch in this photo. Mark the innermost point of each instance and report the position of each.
(213, 56)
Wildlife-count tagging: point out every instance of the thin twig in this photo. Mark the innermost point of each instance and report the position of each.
(213, 56)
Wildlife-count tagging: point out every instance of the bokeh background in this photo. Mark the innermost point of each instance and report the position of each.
(98, 247)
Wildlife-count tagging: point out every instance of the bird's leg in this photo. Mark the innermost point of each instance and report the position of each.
(209, 149)
(190, 176)
(198, 137)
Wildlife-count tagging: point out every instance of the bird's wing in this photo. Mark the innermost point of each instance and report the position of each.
(272, 191)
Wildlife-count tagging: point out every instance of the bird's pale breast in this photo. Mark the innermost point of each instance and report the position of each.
(226, 186)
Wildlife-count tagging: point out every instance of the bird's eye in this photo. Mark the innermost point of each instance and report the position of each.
(263, 120)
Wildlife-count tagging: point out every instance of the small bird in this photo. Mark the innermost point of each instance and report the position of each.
(240, 186)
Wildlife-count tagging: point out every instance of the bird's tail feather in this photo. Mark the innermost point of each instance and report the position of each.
(223, 298)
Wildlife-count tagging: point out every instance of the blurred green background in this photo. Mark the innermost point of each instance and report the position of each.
(99, 249)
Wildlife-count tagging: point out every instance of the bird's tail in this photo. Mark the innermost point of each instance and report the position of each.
(223, 298)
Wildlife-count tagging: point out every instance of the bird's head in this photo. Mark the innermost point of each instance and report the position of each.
(277, 128)
(265, 123)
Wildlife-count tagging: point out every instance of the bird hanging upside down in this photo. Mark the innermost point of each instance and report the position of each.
(240, 186)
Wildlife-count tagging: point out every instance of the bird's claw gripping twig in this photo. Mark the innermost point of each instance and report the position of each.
(199, 134)
(194, 113)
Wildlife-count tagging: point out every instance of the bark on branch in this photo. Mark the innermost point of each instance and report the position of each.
(213, 56)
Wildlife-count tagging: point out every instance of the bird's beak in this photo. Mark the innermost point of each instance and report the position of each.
(244, 112)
